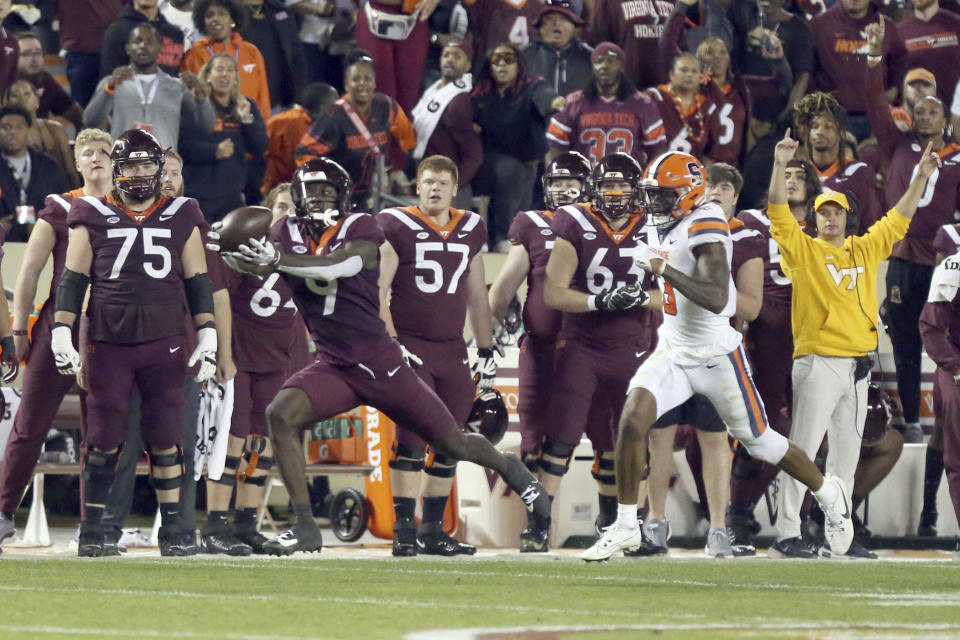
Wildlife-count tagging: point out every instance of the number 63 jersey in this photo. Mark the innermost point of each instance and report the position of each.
(429, 292)
(136, 277)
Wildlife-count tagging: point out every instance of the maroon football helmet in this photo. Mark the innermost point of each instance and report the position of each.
(312, 207)
(488, 417)
(136, 146)
(879, 415)
(570, 165)
(616, 167)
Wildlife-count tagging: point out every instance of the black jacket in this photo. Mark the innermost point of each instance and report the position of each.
(284, 91)
(568, 70)
(113, 54)
(46, 177)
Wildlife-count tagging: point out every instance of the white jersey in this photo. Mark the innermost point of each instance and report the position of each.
(692, 333)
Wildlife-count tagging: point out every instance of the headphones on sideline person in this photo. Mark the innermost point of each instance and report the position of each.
(853, 213)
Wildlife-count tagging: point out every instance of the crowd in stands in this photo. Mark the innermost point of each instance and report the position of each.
(247, 90)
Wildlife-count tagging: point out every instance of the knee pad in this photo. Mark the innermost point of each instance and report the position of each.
(404, 458)
(531, 462)
(555, 449)
(98, 463)
(165, 461)
(439, 465)
(602, 470)
(770, 446)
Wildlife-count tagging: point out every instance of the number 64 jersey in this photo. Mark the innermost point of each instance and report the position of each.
(136, 276)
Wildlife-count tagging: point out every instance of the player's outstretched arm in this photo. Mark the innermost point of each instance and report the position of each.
(342, 263)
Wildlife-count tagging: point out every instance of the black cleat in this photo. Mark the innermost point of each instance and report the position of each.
(438, 543)
(220, 540)
(405, 538)
(293, 540)
(111, 540)
(91, 541)
(741, 530)
(175, 541)
(928, 524)
(534, 540)
(248, 534)
(793, 548)
(857, 550)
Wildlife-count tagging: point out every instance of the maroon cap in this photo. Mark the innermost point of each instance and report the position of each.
(607, 49)
(559, 6)
(463, 45)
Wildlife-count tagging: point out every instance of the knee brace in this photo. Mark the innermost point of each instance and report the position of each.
(98, 463)
(769, 446)
(229, 476)
(602, 470)
(439, 465)
(531, 461)
(160, 461)
(555, 449)
(264, 463)
(258, 444)
(404, 458)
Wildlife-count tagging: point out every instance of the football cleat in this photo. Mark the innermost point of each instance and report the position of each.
(792, 548)
(92, 541)
(534, 540)
(838, 526)
(656, 532)
(405, 538)
(292, 540)
(615, 538)
(220, 540)
(857, 550)
(176, 541)
(7, 528)
(741, 530)
(438, 543)
(249, 535)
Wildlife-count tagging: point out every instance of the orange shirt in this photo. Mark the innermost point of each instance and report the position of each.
(284, 131)
(250, 66)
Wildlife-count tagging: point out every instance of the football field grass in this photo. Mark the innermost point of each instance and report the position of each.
(368, 594)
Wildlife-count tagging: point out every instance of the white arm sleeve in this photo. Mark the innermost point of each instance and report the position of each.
(349, 267)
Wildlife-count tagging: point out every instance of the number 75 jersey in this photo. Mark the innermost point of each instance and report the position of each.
(429, 293)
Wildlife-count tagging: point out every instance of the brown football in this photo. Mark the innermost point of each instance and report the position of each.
(242, 224)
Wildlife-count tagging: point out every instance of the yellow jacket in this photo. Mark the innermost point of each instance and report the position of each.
(834, 310)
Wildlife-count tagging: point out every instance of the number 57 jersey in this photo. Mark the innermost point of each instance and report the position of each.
(136, 276)
(429, 293)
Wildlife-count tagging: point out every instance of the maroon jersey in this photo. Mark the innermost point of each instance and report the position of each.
(54, 213)
(604, 262)
(860, 179)
(635, 25)
(777, 287)
(531, 229)
(264, 318)
(690, 130)
(598, 127)
(493, 22)
(429, 291)
(947, 240)
(748, 243)
(136, 278)
(934, 46)
(343, 315)
(840, 43)
(729, 121)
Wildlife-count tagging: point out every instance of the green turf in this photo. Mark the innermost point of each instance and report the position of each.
(333, 598)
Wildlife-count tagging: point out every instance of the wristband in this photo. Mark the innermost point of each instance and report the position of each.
(19, 332)
(591, 303)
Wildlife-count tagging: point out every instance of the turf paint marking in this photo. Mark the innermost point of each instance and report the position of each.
(127, 632)
(543, 633)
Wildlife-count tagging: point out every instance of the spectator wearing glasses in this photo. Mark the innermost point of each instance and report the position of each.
(53, 99)
(47, 136)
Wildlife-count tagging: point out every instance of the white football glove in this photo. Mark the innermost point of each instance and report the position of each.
(205, 354)
(622, 298)
(484, 368)
(213, 236)
(259, 252)
(64, 353)
(412, 359)
(643, 257)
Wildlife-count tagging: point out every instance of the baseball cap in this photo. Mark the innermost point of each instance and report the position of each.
(559, 6)
(921, 74)
(463, 45)
(831, 196)
(607, 49)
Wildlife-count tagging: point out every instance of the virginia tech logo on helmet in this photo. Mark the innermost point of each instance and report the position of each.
(138, 155)
(310, 176)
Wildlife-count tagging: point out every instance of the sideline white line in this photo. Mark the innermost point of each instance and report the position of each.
(473, 633)
(142, 633)
(316, 599)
